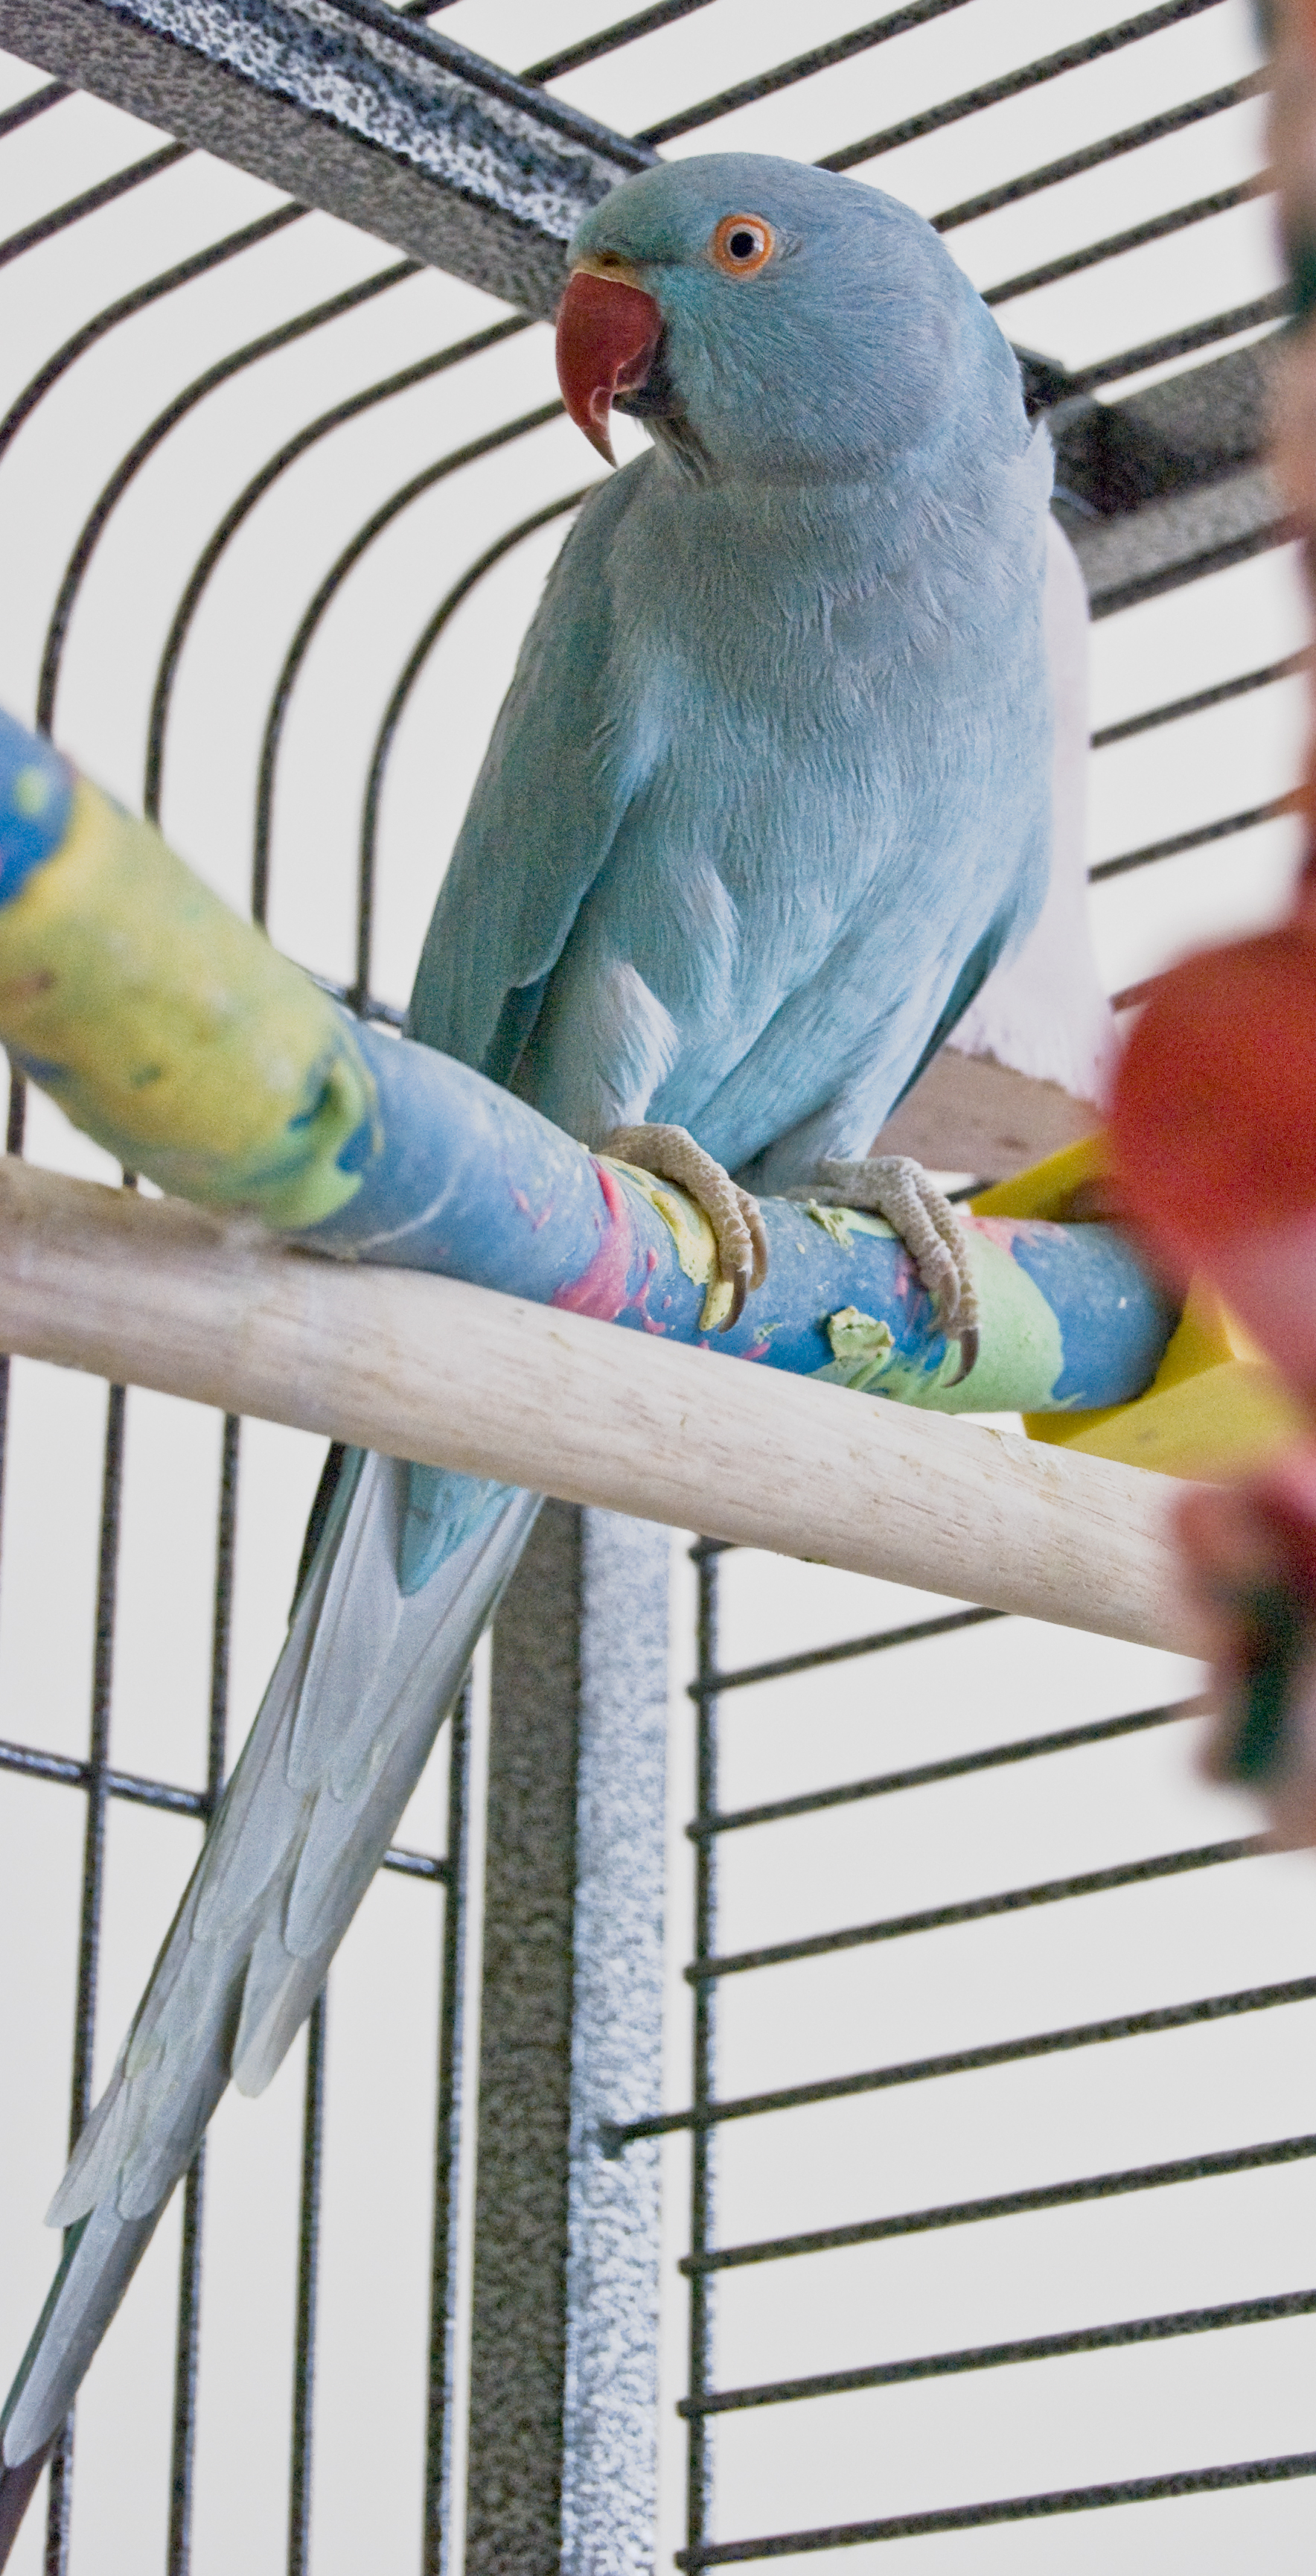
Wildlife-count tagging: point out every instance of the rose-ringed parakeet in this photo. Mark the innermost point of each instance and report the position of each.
(767, 800)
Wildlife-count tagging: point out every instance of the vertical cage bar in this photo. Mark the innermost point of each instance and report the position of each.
(562, 2434)
(16, 1120)
(308, 2267)
(447, 2144)
(699, 2496)
(93, 1862)
(59, 2513)
(14, 1144)
(221, 1632)
(187, 2350)
(59, 2508)
(518, 2325)
(359, 997)
(614, 2204)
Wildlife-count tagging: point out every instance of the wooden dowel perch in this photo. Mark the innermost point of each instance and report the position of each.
(158, 1294)
(173, 1032)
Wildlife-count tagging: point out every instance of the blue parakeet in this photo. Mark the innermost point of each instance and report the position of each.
(767, 800)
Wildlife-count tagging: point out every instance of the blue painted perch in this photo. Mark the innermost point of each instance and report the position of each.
(173, 1033)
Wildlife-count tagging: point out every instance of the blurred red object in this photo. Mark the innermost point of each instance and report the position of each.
(1214, 1126)
(1214, 1123)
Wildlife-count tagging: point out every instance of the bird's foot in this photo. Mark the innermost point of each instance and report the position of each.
(671, 1154)
(894, 1186)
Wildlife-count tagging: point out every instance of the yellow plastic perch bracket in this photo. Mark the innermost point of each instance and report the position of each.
(1215, 1409)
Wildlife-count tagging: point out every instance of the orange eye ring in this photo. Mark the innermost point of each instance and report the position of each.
(742, 244)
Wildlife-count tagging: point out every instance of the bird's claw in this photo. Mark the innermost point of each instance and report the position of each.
(671, 1154)
(897, 1188)
(739, 1285)
(967, 1337)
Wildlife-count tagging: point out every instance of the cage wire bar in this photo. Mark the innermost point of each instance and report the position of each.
(706, 2114)
(1156, 491)
(100, 1783)
(96, 1777)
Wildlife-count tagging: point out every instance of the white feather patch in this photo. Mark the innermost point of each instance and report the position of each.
(1044, 1012)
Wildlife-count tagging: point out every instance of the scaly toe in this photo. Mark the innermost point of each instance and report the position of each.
(671, 1154)
(897, 1188)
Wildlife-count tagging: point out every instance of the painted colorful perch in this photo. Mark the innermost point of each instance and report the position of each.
(172, 1032)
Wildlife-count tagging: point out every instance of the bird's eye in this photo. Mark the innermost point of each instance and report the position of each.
(741, 244)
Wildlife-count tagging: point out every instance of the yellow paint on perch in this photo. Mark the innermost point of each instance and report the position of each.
(172, 1030)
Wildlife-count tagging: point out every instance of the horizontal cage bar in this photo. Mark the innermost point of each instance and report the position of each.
(1004, 2204)
(1197, 839)
(967, 2061)
(816, 1658)
(958, 1766)
(1047, 67)
(1219, 696)
(137, 1791)
(999, 2356)
(978, 1909)
(979, 2517)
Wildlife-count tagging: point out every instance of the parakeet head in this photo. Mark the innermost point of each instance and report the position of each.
(775, 321)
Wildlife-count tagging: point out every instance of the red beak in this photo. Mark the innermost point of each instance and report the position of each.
(607, 338)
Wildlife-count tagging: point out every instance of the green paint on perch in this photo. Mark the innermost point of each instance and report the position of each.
(862, 1348)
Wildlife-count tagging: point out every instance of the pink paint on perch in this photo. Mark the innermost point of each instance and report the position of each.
(601, 1288)
(519, 1200)
(1006, 1231)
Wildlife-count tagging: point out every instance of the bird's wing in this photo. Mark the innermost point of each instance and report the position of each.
(356, 1699)
(561, 768)
(973, 974)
